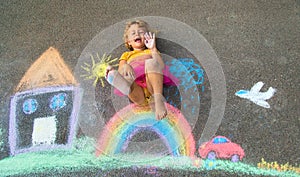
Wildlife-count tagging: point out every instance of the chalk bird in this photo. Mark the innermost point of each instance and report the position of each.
(256, 96)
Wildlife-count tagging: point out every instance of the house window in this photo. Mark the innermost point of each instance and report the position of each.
(30, 106)
(58, 101)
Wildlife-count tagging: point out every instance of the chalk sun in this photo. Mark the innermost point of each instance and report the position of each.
(97, 69)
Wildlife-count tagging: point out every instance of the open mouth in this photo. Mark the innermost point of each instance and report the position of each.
(138, 40)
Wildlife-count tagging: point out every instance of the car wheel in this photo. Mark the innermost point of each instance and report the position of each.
(211, 155)
(235, 158)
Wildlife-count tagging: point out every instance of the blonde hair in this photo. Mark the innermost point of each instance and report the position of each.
(140, 23)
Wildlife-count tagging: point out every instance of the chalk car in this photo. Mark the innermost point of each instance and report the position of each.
(222, 148)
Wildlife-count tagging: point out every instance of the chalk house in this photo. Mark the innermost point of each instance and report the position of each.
(44, 109)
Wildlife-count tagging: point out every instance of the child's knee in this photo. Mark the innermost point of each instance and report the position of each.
(153, 66)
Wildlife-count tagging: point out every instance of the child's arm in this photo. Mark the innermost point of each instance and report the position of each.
(156, 56)
(151, 44)
(121, 64)
(126, 70)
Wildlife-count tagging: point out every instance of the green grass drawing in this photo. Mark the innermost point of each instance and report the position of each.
(81, 158)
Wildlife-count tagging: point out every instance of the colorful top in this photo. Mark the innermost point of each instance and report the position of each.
(136, 54)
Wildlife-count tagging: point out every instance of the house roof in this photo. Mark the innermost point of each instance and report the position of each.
(48, 70)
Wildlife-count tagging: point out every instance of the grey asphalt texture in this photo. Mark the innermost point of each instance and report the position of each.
(254, 41)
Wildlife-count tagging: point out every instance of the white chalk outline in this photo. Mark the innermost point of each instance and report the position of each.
(173, 30)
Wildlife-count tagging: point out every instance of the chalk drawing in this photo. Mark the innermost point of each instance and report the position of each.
(1, 140)
(210, 164)
(97, 69)
(110, 39)
(194, 75)
(43, 111)
(174, 130)
(58, 101)
(49, 70)
(44, 131)
(30, 106)
(197, 162)
(152, 170)
(256, 96)
(222, 148)
(277, 166)
(189, 74)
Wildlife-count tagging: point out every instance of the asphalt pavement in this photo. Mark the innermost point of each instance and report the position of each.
(253, 41)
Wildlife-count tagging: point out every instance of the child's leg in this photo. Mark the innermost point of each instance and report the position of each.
(117, 80)
(154, 78)
(134, 92)
(137, 94)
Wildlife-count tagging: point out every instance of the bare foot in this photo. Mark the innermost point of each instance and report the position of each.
(159, 106)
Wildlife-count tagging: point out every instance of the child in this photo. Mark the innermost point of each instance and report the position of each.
(142, 71)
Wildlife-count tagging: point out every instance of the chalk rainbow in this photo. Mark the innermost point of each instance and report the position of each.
(174, 130)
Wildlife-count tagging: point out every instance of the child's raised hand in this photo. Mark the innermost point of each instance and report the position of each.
(150, 40)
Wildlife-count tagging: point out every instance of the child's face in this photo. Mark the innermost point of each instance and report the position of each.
(135, 37)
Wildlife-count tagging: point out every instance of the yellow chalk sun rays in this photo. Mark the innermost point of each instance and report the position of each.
(97, 69)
